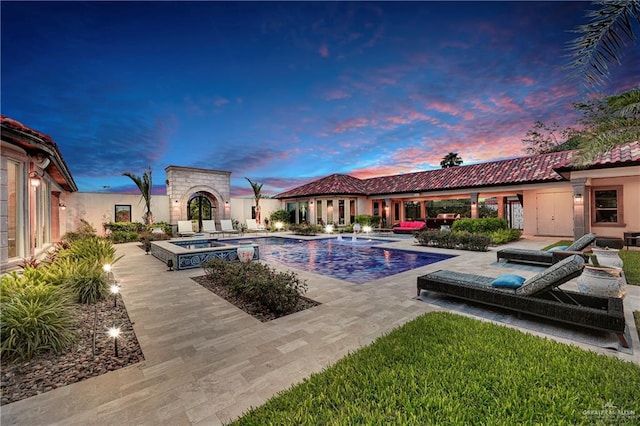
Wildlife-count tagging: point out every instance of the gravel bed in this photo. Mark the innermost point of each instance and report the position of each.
(49, 371)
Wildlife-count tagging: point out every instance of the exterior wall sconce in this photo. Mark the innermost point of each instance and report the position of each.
(473, 203)
(34, 179)
(311, 203)
(62, 205)
(577, 198)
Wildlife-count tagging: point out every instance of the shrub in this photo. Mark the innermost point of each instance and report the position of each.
(477, 226)
(304, 229)
(84, 230)
(277, 292)
(36, 317)
(279, 216)
(504, 236)
(136, 227)
(453, 240)
(88, 282)
(123, 236)
(97, 249)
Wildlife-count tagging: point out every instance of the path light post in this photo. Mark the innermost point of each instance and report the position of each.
(170, 264)
(115, 289)
(115, 332)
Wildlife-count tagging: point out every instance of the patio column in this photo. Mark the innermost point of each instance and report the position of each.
(581, 214)
(474, 205)
(502, 201)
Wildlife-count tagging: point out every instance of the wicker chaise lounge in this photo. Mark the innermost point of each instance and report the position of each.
(544, 257)
(537, 296)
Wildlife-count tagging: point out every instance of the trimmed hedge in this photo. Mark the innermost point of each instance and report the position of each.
(480, 226)
(453, 240)
(305, 229)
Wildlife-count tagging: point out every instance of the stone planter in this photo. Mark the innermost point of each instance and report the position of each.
(602, 282)
(608, 258)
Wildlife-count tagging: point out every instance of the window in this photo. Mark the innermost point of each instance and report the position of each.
(319, 212)
(412, 210)
(341, 212)
(14, 219)
(123, 213)
(607, 205)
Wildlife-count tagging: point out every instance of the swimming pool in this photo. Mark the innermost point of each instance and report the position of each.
(357, 262)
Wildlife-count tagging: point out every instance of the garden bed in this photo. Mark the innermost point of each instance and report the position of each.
(252, 309)
(49, 371)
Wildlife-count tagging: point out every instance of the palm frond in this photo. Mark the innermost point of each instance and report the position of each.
(603, 39)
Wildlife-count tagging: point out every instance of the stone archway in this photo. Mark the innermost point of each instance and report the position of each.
(185, 184)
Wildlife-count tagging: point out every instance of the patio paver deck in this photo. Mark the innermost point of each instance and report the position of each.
(207, 362)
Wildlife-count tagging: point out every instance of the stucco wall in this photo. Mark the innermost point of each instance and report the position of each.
(241, 208)
(99, 207)
(631, 205)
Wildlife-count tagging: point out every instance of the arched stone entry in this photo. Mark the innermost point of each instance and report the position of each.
(202, 206)
(198, 194)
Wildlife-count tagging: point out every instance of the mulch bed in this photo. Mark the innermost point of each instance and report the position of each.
(20, 380)
(249, 307)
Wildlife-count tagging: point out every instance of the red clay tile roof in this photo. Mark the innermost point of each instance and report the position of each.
(14, 124)
(531, 169)
(333, 184)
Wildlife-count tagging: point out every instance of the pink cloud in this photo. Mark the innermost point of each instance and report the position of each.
(324, 50)
(352, 123)
(334, 95)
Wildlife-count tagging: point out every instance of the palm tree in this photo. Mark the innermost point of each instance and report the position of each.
(451, 160)
(612, 121)
(145, 186)
(257, 188)
(602, 40)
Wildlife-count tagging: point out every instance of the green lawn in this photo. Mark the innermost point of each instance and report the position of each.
(447, 369)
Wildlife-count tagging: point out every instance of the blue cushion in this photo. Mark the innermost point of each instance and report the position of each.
(556, 248)
(508, 281)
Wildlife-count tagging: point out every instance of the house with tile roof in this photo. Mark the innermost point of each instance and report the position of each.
(34, 184)
(541, 194)
(546, 192)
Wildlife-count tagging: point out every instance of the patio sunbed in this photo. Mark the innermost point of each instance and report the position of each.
(252, 226)
(185, 228)
(226, 227)
(537, 296)
(209, 227)
(545, 257)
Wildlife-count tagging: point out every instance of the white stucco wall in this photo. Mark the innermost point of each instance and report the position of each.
(241, 208)
(99, 207)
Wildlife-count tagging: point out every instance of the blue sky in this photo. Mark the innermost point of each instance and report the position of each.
(284, 93)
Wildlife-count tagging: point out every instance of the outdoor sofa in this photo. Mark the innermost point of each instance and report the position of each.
(408, 227)
(546, 257)
(537, 296)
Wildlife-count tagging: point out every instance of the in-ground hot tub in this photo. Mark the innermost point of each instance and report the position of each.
(187, 253)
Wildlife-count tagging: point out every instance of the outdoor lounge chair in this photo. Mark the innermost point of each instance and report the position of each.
(226, 227)
(545, 257)
(252, 226)
(185, 228)
(537, 296)
(209, 227)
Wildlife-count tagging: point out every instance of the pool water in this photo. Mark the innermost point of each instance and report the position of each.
(357, 261)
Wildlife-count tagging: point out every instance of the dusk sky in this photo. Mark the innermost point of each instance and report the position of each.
(284, 93)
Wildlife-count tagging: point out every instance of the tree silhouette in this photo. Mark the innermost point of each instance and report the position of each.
(452, 159)
(257, 188)
(603, 39)
(145, 185)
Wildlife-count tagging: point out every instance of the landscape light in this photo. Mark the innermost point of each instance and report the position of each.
(115, 289)
(115, 332)
(170, 264)
(279, 225)
(366, 229)
(329, 229)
